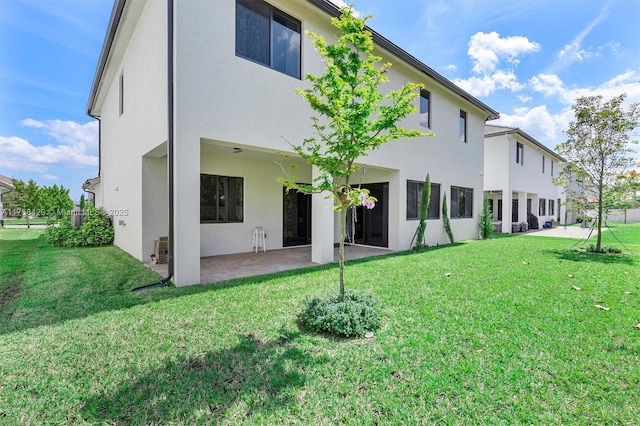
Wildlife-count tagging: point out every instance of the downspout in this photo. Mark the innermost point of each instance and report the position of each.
(170, 151)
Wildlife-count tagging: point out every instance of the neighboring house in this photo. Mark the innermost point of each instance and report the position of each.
(92, 187)
(210, 98)
(518, 178)
(6, 185)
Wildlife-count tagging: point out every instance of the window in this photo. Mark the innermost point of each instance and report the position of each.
(425, 101)
(463, 126)
(414, 197)
(221, 198)
(461, 202)
(519, 153)
(551, 207)
(551, 168)
(558, 217)
(268, 36)
(543, 164)
(542, 210)
(121, 94)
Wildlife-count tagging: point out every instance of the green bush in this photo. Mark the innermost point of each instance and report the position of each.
(603, 250)
(96, 230)
(356, 315)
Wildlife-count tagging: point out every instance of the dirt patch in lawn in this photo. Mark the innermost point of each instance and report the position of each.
(11, 289)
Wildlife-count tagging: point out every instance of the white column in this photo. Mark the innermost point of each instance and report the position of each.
(506, 211)
(522, 206)
(186, 204)
(322, 225)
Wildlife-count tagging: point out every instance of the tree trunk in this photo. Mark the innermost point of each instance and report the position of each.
(600, 213)
(343, 233)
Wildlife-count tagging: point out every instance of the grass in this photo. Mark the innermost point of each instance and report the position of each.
(484, 332)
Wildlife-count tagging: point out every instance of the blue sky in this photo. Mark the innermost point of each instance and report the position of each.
(529, 60)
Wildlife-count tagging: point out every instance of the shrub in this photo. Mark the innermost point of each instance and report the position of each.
(603, 250)
(356, 315)
(485, 221)
(96, 230)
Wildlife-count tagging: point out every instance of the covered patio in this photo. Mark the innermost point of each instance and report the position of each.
(225, 267)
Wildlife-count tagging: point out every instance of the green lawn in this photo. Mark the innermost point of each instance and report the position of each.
(485, 332)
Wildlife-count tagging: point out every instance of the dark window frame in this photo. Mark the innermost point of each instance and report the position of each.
(542, 207)
(543, 163)
(275, 16)
(416, 197)
(519, 153)
(121, 93)
(463, 126)
(425, 108)
(552, 210)
(215, 205)
(461, 203)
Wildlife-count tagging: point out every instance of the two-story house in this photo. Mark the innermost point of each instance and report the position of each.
(518, 179)
(197, 108)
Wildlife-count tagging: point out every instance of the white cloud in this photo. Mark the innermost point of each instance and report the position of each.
(552, 85)
(487, 84)
(573, 51)
(50, 177)
(547, 84)
(486, 50)
(76, 145)
(548, 127)
(538, 122)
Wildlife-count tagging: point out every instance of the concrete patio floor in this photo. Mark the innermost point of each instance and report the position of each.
(221, 268)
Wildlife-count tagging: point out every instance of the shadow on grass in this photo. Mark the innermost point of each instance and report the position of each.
(253, 377)
(583, 256)
(92, 285)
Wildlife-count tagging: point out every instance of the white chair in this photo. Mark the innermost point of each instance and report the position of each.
(259, 239)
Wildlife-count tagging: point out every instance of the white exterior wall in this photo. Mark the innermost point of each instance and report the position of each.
(521, 181)
(141, 127)
(234, 100)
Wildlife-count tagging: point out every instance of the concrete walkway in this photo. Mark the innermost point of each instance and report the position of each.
(562, 232)
(221, 268)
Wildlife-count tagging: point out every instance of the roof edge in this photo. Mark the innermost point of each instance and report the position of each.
(396, 50)
(519, 131)
(112, 28)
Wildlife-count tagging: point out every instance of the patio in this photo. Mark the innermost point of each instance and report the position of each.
(221, 268)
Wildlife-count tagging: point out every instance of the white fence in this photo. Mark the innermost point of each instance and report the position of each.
(633, 215)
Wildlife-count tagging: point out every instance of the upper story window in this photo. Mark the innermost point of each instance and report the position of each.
(121, 93)
(425, 102)
(551, 168)
(519, 153)
(543, 161)
(268, 36)
(414, 198)
(463, 126)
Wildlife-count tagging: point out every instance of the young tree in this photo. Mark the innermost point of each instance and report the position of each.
(353, 117)
(24, 200)
(424, 212)
(597, 148)
(485, 221)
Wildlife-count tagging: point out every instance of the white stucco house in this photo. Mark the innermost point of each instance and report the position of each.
(6, 185)
(197, 108)
(518, 178)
